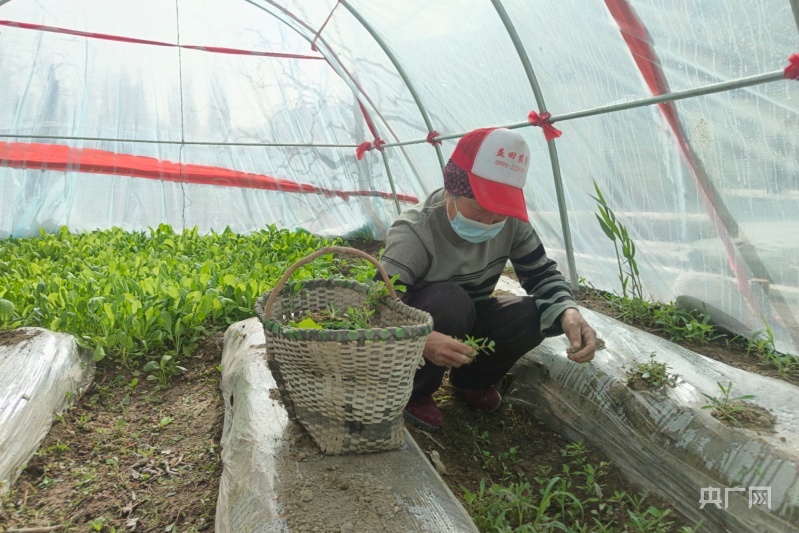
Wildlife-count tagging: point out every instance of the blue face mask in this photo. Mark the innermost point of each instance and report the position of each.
(472, 230)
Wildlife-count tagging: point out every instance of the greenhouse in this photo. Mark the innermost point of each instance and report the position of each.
(215, 143)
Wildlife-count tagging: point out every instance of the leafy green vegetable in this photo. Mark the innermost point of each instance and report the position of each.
(128, 296)
(308, 323)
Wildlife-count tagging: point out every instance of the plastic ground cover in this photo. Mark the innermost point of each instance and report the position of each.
(664, 440)
(41, 373)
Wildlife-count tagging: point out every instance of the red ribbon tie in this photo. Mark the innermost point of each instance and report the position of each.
(543, 121)
(362, 149)
(367, 146)
(431, 137)
(792, 70)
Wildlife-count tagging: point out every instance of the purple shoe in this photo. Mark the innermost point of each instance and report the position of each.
(424, 413)
(487, 399)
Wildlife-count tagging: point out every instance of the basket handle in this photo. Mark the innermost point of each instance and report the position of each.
(330, 249)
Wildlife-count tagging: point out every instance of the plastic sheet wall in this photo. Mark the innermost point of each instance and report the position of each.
(728, 242)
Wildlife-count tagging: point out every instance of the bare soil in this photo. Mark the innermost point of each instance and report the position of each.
(135, 457)
(15, 336)
(322, 497)
(750, 416)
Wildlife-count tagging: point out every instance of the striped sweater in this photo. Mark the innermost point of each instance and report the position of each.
(423, 249)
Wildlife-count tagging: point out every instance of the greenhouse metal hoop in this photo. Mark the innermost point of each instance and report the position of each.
(313, 36)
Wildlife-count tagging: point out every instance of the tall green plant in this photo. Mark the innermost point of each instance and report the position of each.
(617, 232)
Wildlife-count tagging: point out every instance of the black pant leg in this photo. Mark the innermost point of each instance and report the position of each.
(453, 314)
(513, 323)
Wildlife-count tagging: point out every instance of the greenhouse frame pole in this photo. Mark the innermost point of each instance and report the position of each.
(795, 8)
(408, 84)
(400, 71)
(777, 75)
(553, 154)
(338, 68)
(769, 77)
(759, 79)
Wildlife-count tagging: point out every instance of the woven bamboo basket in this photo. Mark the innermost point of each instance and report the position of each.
(348, 388)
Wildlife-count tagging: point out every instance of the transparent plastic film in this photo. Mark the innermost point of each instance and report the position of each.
(665, 439)
(41, 374)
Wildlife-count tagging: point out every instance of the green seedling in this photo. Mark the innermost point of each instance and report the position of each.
(685, 325)
(378, 292)
(576, 499)
(479, 345)
(333, 318)
(653, 372)
(726, 407)
(632, 310)
(97, 524)
(762, 345)
(162, 370)
(59, 448)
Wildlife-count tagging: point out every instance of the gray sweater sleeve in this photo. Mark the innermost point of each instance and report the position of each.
(539, 276)
(406, 255)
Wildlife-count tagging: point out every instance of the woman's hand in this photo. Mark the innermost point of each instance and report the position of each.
(582, 337)
(443, 350)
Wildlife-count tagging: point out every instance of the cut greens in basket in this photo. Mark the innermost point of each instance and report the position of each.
(351, 317)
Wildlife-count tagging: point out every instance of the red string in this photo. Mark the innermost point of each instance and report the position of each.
(378, 144)
(792, 70)
(369, 123)
(316, 36)
(543, 121)
(431, 138)
(133, 40)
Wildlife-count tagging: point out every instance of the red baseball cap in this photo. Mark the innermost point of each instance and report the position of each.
(496, 160)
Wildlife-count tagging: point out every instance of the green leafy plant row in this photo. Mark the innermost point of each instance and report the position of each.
(680, 324)
(131, 295)
(576, 499)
